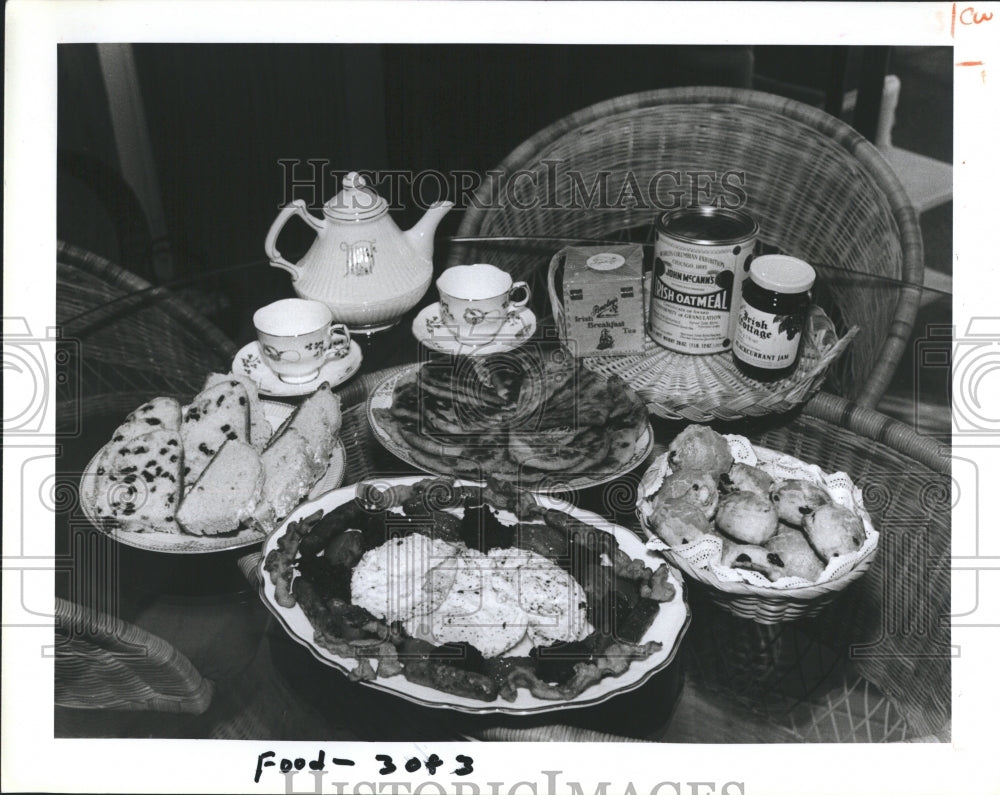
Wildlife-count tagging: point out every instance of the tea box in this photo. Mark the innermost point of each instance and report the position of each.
(603, 311)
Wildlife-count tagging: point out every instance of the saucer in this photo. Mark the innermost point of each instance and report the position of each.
(431, 330)
(248, 362)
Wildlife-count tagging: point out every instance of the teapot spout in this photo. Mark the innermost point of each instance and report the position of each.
(421, 236)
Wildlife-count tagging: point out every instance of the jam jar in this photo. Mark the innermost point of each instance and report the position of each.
(772, 317)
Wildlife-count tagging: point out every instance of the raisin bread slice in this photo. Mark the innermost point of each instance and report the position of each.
(160, 413)
(138, 483)
(317, 419)
(216, 415)
(290, 471)
(226, 494)
(260, 427)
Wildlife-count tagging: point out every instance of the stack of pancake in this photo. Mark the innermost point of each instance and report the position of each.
(526, 414)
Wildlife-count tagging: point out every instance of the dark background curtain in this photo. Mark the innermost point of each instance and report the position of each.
(221, 118)
(226, 122)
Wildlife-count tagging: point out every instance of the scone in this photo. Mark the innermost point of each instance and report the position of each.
(700, 448)
(694, 487)
(747, 517)
(679, 522)
(793, 498)
(798, 556)
(833, 530)
(743, 477)
(753, 557)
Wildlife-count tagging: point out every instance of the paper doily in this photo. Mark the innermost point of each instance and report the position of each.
(706, 553)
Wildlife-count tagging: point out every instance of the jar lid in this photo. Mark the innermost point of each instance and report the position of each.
(356, 202)
(782, 274)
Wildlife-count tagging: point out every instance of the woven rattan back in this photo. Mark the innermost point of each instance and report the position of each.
(125, 341)
(893, 624)
(105, 663)
(817, 188)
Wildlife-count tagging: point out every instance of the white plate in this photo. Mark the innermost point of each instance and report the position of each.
(430, 329)
(248, 362)
(183, 543)
(668, 627)
(381, 398)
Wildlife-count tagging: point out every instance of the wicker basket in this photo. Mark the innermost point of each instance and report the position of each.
(761, 603)
(704, 388)
(818, 189)
(767, 605)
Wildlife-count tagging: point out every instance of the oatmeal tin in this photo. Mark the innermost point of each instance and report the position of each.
(700, 260)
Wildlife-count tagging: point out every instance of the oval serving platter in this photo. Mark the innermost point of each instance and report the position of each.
(668, 628)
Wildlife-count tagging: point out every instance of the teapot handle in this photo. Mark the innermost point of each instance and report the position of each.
(297, 207)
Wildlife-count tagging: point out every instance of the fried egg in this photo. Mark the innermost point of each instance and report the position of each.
(555, 604)
(508, 599)
(473, 606)
(497, 600)
(389, 580)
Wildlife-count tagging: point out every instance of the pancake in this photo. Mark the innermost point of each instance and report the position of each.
(553, 387)
(626, 429)
(521, 415)
(561, 449)
(432, 444)
(457, 383)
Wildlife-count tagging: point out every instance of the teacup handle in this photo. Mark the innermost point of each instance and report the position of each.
(340, 341)
(519, 302)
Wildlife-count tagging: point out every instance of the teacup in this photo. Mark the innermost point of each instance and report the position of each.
(297, 337)
(476, 301)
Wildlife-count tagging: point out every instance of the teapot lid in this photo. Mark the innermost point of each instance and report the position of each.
(355, 202)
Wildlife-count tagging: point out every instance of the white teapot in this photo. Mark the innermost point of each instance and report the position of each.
(361, 265)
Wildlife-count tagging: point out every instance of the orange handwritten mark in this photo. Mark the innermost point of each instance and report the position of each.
(974, 63)
(968, 16)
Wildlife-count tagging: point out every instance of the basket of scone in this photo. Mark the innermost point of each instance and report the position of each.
(772, 538)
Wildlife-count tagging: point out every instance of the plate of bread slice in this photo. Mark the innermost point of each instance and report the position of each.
(217, 473)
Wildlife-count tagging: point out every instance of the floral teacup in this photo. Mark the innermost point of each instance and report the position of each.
(476, 301)
(297, 337)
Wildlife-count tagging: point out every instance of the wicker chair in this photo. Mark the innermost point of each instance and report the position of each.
(876, 664)
(818, 189)
(105, 663)
(122, 341)
(125, 341)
